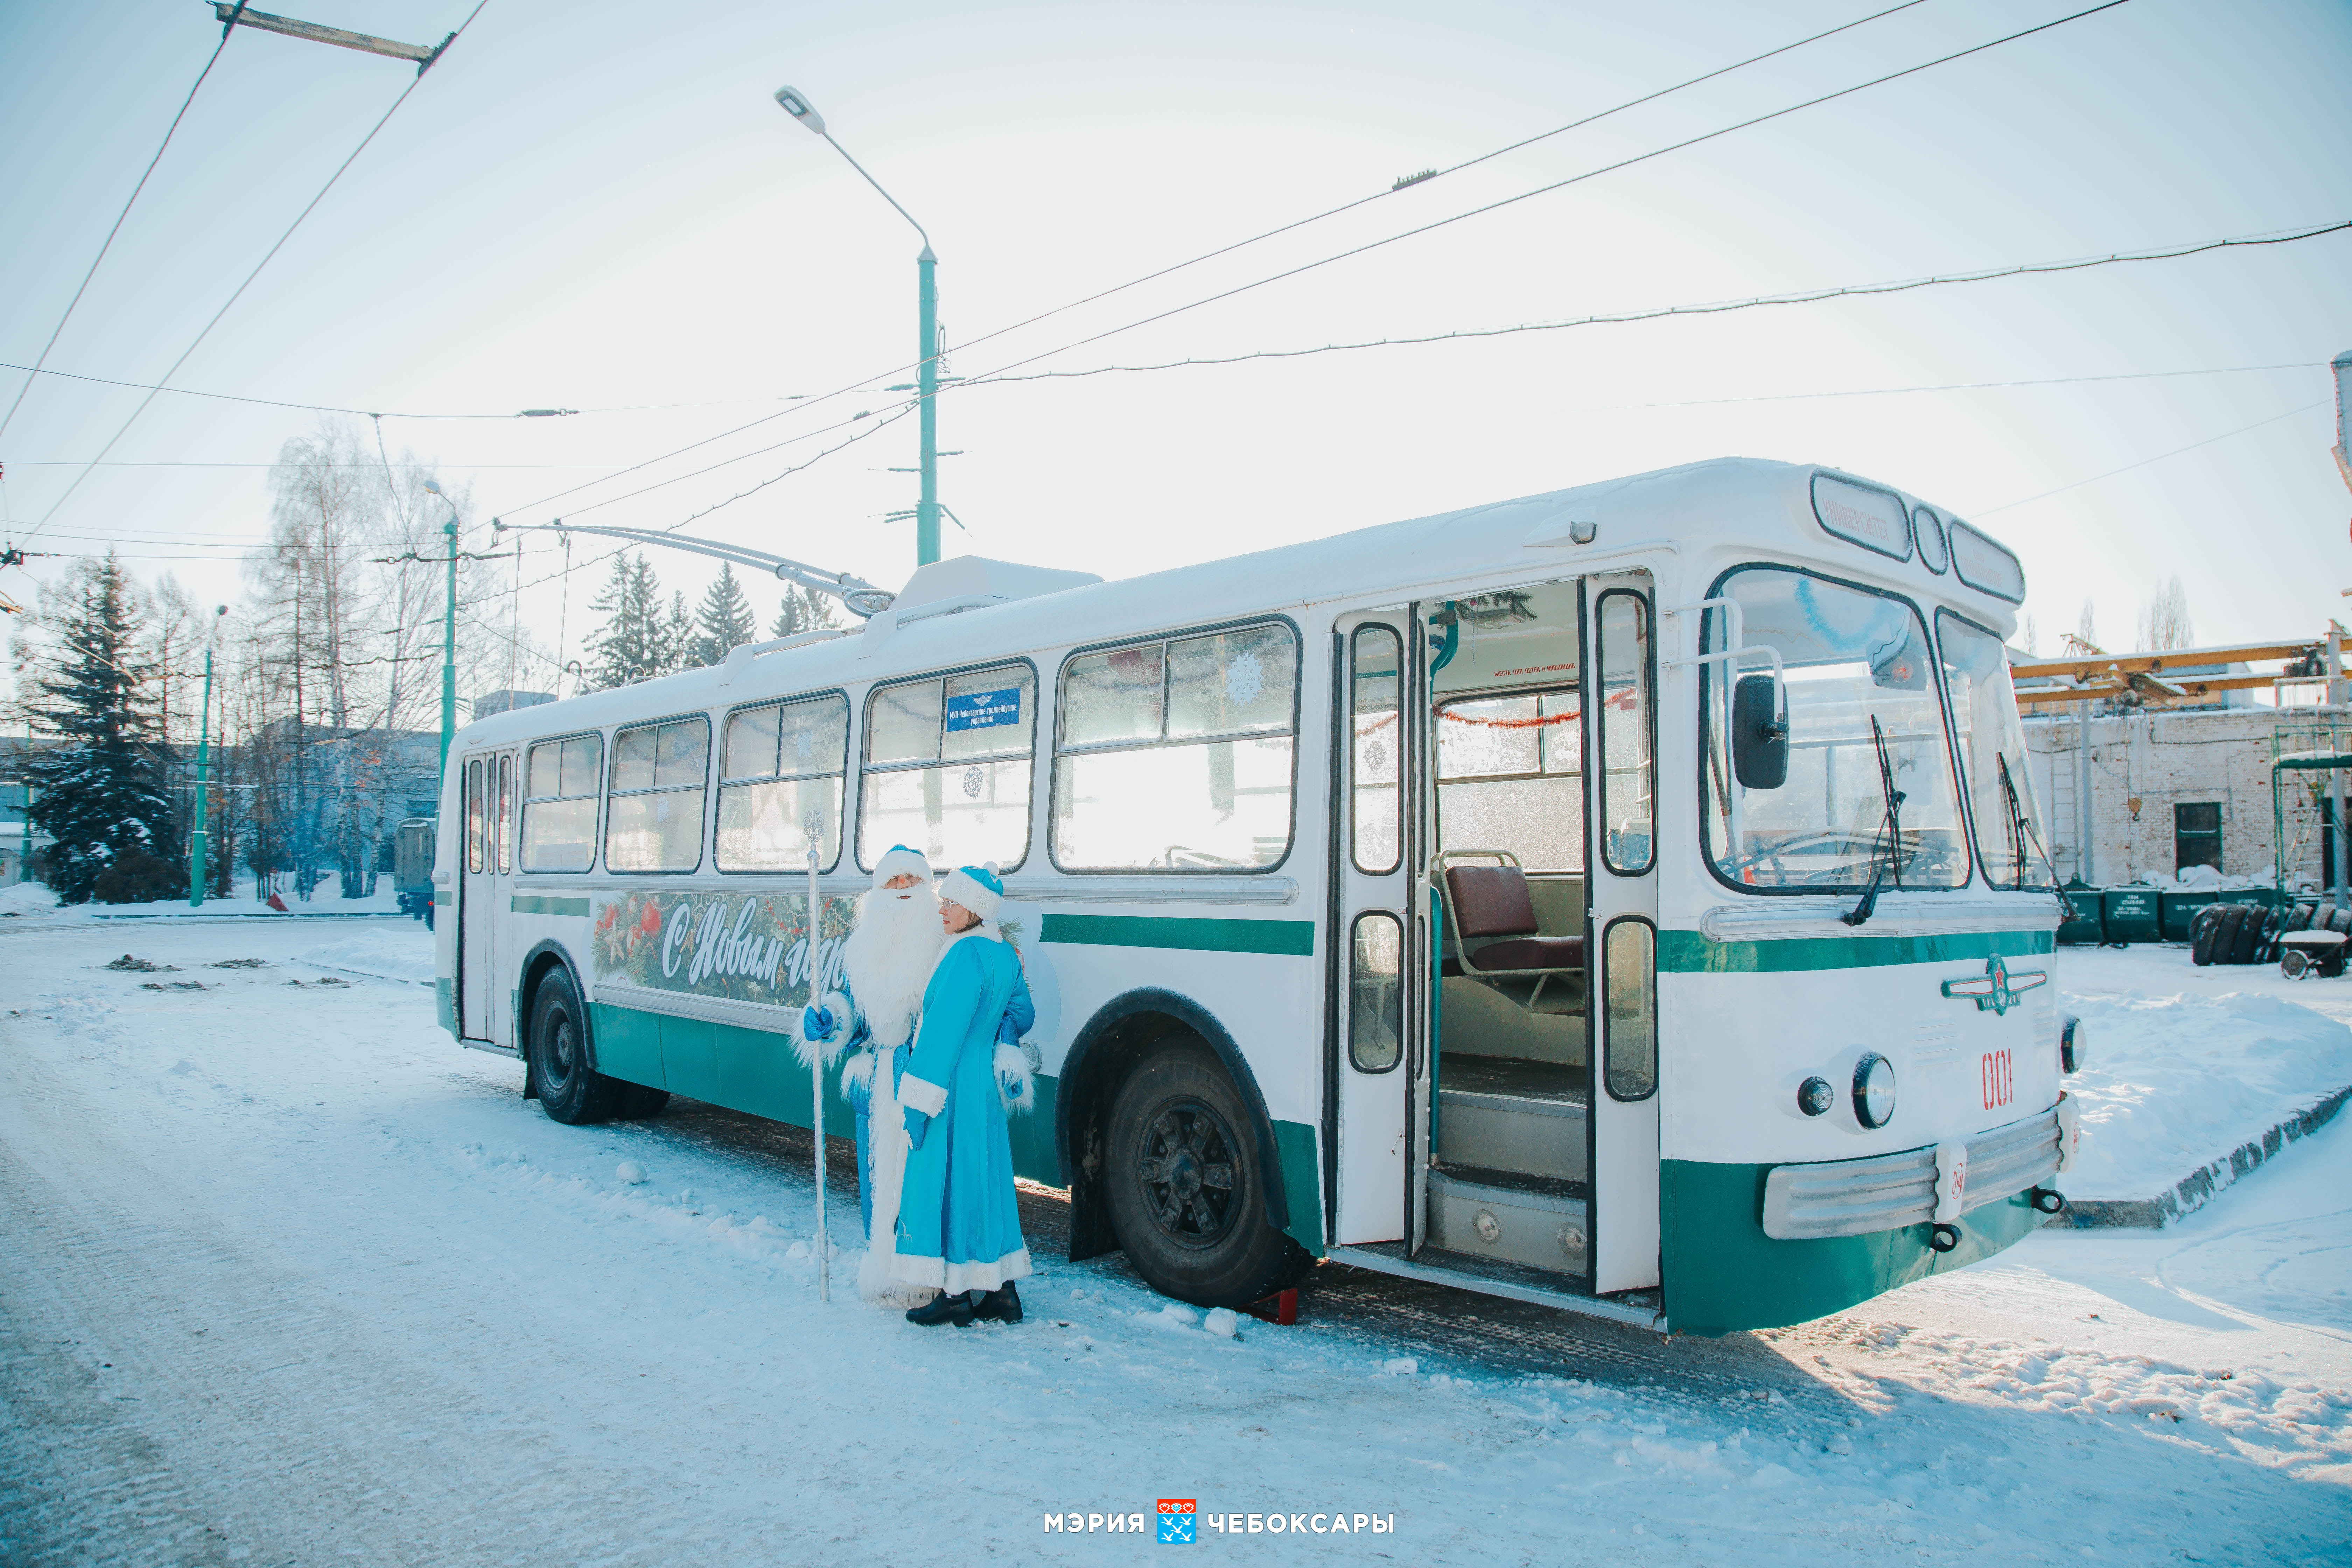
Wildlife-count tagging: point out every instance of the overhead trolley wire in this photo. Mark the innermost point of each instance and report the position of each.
(1269, 234)
(241, 288)
(282, 403)
(1805, 297)
(34, 370)
(1688, 142)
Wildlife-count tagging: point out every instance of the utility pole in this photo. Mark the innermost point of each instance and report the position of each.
(448, 635)
(927, 312)
(204, 762)
(449, 651)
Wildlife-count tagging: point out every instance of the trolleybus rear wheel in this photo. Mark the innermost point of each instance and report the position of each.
(1186, 1187)
(556, 1057)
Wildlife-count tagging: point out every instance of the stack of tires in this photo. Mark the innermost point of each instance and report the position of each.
(2241, 934)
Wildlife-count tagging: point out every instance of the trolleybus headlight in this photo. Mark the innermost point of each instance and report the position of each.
(1814, 1097)
(1874, 1091)
(2070, 1045)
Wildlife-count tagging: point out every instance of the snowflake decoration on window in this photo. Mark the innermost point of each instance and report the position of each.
(972, 781)
(1244, 679)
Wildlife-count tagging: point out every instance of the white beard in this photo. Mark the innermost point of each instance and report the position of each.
(889, 959)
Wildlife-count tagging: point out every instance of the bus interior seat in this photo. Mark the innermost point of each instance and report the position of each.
(1512, 1086)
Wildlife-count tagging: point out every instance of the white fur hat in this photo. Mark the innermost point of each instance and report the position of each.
(901, 861)
(976, 888)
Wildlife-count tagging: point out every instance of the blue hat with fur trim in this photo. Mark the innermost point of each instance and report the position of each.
(977, 887)
(901, 861)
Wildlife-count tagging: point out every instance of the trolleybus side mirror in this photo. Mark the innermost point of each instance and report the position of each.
(1760, 736)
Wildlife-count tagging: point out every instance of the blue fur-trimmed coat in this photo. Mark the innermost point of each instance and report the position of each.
(959, 1217)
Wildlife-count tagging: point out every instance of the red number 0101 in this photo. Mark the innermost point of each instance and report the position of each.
(1999, 1085)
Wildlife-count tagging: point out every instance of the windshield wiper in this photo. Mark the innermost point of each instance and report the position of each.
(2017, 826)
(1892, 828)
(2022, 831)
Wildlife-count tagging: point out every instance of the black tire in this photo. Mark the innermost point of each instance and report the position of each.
(1185, 1186)
(2273, 928)
(2203, 934)
(2250, 933)
(555, 1054)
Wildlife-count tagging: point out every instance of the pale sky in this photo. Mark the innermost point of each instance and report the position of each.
(598, 205)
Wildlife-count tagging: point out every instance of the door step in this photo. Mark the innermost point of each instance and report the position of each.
(1534, 1229)
(1511, 1133)
(1489, 1276)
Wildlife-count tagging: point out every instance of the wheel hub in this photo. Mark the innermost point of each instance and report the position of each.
(1187, 1169)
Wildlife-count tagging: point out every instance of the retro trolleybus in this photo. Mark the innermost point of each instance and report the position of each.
(1627, 899)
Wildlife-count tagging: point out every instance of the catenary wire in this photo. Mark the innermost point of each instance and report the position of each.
(1561, 185)
(2160, 457)
(265, 259)
(1805, 297)
(1237, 245)
(34, 370)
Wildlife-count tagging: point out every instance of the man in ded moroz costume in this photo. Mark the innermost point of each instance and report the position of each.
(959, 1218)
(885, 965)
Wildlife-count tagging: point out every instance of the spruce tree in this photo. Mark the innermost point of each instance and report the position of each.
(101, 796)
(804, 610)
(677, 636)
(630, 645)
(723, 622)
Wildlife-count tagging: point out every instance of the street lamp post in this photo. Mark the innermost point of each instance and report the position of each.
(197, 837)
(448, 636)
(926, 373)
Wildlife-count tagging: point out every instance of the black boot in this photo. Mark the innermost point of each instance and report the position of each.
(1001, 1305)
(948, 1307)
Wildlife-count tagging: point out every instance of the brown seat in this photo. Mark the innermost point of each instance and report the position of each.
(1493, 902)
(1524, 953)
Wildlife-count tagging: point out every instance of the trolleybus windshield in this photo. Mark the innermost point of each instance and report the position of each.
(2010, 835)
(1852, 656)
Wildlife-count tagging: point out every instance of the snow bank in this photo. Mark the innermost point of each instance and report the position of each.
(2176, 1081)
(27, 898)
(387, 951)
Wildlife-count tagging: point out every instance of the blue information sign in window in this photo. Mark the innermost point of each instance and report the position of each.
(983, 710)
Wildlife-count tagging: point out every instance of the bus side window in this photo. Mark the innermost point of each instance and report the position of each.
(782, 765)
(1630, 985)
(1177, 755)
(472, 817)
(1376, 1002)
(558, 804)
(1626, 807)
(654, 819)
(1375, 751)
(947, 767)
(506, 815)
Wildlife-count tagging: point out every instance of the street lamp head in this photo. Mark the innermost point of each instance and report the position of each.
(800, 109)
(434, 486)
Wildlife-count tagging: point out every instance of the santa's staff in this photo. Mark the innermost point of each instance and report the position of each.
(816, 1070)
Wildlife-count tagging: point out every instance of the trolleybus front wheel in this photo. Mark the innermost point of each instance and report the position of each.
(1186, 1186)
(556, 1057)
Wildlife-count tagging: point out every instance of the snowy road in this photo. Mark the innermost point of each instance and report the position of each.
(285, 1278)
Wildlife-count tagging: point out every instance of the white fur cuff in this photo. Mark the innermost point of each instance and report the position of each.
(808, 1051)
(1015, 1083)
(916, 1094)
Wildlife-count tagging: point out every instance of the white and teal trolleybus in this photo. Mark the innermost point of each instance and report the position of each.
(1627, 897)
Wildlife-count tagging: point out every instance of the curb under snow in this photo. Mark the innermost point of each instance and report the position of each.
(2201, 1187)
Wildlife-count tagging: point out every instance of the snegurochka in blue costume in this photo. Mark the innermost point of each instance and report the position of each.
(957, 1227)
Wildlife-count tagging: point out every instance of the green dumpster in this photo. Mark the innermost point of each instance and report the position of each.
(2268, 898)
(2132, 914)
(2085, 929)
(2180, 909)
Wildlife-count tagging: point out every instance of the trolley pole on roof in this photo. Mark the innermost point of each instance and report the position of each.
(927, 316)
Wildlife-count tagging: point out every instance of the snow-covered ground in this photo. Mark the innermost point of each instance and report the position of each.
(2187, 1064)
(286, 1276)
(31, 900)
